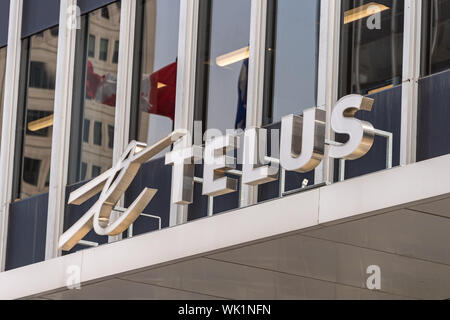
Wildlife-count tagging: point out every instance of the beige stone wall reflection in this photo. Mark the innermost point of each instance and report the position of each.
(104, 26)
(147, 60)
(40, 103)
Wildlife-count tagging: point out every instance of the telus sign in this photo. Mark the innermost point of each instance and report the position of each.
(302, 149)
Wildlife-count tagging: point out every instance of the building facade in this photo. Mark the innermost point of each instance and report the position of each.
(81, 80)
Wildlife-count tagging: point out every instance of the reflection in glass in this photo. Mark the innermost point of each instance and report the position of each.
(371, 45)
(436, 36)
(38, 130)
(94, 94)
(223, 52)
(291, 57)
(2, 82)
(153, 109)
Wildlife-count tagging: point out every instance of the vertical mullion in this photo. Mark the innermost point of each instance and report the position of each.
(124, 78)
(255, 94)
(61, 125)
(185, 91)
(124, 91)
(328, 73)
(9, 120)
(411, 73)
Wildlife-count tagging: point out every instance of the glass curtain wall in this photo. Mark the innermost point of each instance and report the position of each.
(223, 52)
(155, 73)
(371, 52)
(35, 120)
(2, 83)
(292, 40)
(434, 84)
(435, 36)
(291, 57)
(371, 57)
(93, 118)
(221, 83)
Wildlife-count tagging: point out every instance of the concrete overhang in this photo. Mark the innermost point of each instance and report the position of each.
(316, 244)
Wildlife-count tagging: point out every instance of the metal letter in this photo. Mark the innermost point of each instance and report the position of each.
(303, 141)
(183, 163)
(113, 183)
(217, 163)
(361, 133)
(255, 169)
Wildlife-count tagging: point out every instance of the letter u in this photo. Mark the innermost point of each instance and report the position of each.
(303, 140)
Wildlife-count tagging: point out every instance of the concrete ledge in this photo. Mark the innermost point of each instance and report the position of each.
(377, 192)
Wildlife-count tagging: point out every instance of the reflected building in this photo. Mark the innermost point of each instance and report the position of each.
(101, 78)
(38, 129)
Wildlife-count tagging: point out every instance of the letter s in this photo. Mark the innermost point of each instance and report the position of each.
(362, 133)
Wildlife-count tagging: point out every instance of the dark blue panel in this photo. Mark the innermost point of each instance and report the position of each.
(39, 15)
(4, 20)
(293, 181)
(230, 201)
(385, 115)
(73, 213)
(27, 231)
(433, 129)
(156, 175)
(199, 208)
(89, 5)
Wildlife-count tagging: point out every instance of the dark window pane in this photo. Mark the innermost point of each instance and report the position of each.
(86, 130)
(40, 76)
(116, 52)
(104, 44)
(91, 46)
(371, 46)
(96, 171)
(83, 170)
(98, 133)
(105, 12)
(436, 36)
(37, 122)
(110, 137)
(31, 168)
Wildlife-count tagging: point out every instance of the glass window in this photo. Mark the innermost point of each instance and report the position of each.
(31, 171)
(291, 57)
(436, 36)
(94, 96)
(97, 133)
(91, 46)
(223, 51)
(35, 135)
(105, 13)
(86, 130)
(96, 171)
(2, 82)
(104, 44)
(153, 107)
(434, 85)
(371, 57)
(83, 170)
(110, 136)
(116, 52)
(371, 51)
